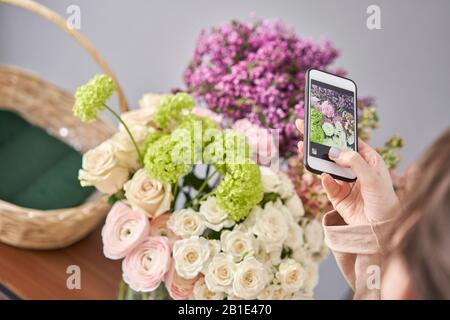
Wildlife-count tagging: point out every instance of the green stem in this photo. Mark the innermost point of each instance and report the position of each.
(115, 114)
(200, 190)
(206, 195)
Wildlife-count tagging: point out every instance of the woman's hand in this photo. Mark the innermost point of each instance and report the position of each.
(371, 197)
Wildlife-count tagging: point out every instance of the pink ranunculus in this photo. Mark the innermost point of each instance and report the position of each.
(158, 227)
(327, 109)
(261, 140)
(315, 101)
(146, 265)
(178, 287)
(124, 229)
(203, 112)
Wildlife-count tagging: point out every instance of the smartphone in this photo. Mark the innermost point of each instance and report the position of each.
(330, 121)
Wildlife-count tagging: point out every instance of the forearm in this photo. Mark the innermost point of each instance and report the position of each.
(359, 253)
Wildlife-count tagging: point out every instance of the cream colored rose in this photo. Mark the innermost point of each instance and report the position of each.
(215, 218)
(302, 255)
(271, 226)
(314, 236)
(150, 100)
(102, 169)
(138, 117)
(295, 206)
(291, 275)
(295, 237)
(250, 278)
(312, 277)
(287, 187)
(271, 180)
(220, 273)
(270, 255)
(186, 222)
(190, 256)
(237, 243)
(272, 292)
(148, 195)
(125, 150)
(201, 292)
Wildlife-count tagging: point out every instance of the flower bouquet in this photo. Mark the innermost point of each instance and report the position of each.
(253, 72)
(194, 216)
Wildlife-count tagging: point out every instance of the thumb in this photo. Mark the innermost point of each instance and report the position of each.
(353, 160)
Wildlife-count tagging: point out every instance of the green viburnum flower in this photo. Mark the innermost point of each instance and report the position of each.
(171, 108)
(316, 116)
(150, 139)
(90, 99)
(317, 134)
(163, 162)
(227, 148)
(240, 190)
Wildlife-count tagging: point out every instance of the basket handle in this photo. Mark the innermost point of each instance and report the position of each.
(54, 18)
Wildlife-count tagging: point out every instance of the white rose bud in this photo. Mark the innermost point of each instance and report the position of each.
(314, 236)
(295, 236)
(201, 292)
(148, 195)
(190, 256)
(292, 276)
(271, 226)
(237, 243)
(138, 117)
(287, 188)
(250, 279)
(272, 292)
(271, 180)
(220, 273)
(215, 218)
(150, 100)
(295, 206)
(102, 169)
(125, 149)
(186, 222)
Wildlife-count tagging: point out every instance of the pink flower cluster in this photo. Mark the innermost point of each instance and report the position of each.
(146, 249)
(256, 70)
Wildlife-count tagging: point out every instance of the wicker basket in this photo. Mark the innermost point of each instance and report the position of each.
(49, 107)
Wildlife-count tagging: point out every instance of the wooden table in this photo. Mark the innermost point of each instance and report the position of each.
(31, 274)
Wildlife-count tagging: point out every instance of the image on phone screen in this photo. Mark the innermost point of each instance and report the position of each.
(332, 119)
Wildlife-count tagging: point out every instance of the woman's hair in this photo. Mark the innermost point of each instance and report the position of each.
(424, 233)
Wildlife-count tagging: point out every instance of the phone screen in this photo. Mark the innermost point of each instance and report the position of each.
(332, 119)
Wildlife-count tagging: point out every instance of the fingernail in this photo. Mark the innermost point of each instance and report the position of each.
(334, 152)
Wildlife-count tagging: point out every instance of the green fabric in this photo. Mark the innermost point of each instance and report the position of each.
(37, 170)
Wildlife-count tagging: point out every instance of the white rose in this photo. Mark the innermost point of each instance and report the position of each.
(101, 168)
(272, 292)
(269, 255)
(220, 273)
(312, 277)
(186, 222)
(201, 292)
(150, 100)
(271, 226)
(295, 236)
(314, 236)
(216, 218)
(190, 256)
(301, 295)
(138, 117)
(237, 243)
(148, 195)
(287, 188)
(292, 276)
(125, 149)
(295, 206)
(302, 255)
(271, 180)
(250, 279)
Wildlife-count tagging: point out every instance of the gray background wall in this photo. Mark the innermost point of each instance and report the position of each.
(148, 43)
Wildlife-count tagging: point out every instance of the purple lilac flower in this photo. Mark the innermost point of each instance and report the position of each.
(256, 70)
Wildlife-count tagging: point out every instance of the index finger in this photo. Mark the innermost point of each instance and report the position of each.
(300, 124)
